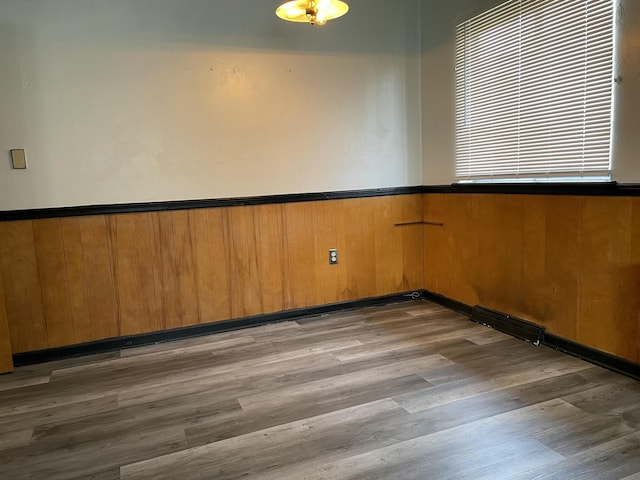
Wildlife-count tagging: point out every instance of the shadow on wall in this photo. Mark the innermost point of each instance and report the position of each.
(371, 26)
(439, 19)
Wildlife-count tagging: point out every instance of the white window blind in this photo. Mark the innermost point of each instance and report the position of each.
(534, 91)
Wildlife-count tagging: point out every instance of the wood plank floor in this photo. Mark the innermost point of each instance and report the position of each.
(406, 391)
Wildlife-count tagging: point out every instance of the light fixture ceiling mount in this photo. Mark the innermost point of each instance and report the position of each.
(315, 12)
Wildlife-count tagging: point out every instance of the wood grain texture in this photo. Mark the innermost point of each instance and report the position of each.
(81, 279)
(569, 263)
(246, 298)
(49, 247)
(22, 288)
(99, 281)
(302, 260)
(331, 284)
(360, 248)
(608, 286)
(6, 362)
(405, 391)
(212, 273)
(397, 247)
(271, 253)
(74, 265)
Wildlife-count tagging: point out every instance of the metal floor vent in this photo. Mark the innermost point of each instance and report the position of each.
(527, 331)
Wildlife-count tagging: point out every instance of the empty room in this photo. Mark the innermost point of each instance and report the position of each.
(319, 239)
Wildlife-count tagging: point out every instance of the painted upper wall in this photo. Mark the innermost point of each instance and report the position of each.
(128, 101)
(438, 88)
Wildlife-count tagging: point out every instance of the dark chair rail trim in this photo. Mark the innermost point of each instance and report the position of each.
(610, 189)
(10, 215)
(607, 189)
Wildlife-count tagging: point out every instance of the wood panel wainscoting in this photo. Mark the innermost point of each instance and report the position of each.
(568, 263)
(71, 280)
(6, 361)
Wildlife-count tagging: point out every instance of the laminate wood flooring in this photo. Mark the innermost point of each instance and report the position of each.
(405, 391)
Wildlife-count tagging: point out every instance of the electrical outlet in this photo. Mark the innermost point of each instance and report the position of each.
(333, 256)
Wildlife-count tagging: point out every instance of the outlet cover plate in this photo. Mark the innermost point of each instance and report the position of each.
(18, 159)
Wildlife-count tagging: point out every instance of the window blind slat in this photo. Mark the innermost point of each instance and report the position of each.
(533, 90)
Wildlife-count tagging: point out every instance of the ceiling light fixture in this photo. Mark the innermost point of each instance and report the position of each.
(315, 12)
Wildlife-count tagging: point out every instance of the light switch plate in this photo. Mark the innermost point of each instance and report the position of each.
(18, 159)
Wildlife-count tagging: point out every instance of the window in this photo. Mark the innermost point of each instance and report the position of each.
(534, 92)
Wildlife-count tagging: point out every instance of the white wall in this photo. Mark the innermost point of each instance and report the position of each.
(147, 100)
(438, 96)
(626, 118)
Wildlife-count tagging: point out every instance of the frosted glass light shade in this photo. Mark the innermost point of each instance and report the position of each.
(316, 12)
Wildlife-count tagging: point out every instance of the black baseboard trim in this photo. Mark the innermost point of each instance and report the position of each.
(597, 357)
(120, 343)
(447, 302)
(516, 327)
(589, 354)
(513, 326)
(84, 210)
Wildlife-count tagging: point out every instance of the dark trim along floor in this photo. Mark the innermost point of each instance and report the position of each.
(592, 355)
(537, 335)
(112, 344)
(514, 326)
